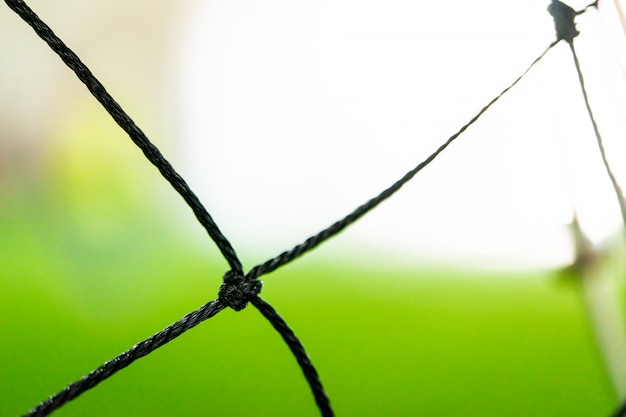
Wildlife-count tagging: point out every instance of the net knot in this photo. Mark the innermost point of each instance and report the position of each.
(236, 290)
(563, 20)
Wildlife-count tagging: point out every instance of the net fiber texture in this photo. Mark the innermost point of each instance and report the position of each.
(240, 288)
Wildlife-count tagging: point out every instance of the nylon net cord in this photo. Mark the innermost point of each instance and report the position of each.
(566, 30)
(238, 288)
(619, 194)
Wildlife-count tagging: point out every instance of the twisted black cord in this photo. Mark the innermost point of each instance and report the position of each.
(616, 188)
(338, 226)
(120, 362)
(125, 122)
(323, 403)
(565, 27)
(590, 5)
(236, 290)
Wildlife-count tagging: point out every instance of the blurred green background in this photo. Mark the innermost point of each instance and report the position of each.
(91, 262)
(97, 253)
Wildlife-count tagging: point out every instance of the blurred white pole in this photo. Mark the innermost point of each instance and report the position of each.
(604, 308)
(620, 13)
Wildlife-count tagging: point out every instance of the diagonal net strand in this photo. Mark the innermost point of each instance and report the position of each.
(128, 125)
(237, 289)
(121, 361)
(619, 194)
(590, 5)
(621, 408)
(311, 375)
(565, 27)
(339, 225)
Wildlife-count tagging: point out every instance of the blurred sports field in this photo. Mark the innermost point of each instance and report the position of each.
(387, 340)
(97, 253)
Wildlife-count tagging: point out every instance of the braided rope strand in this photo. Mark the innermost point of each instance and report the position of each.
(338, 226)
(226, 292)
(565, 25)
(311, 375)
(238, 288)
(151, 152)
(619, 194)
(121, 361)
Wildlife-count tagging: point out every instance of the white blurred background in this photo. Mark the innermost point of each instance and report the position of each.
(294, 113)
(286, 115)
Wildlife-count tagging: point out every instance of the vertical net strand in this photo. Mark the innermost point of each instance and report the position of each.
(311, 375)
